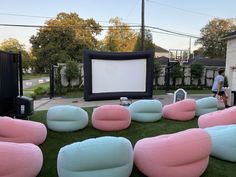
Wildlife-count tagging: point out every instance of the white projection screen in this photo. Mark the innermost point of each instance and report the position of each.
(118, 76)
(110, 75)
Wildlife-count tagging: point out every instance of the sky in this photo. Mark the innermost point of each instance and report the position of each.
(185, 16)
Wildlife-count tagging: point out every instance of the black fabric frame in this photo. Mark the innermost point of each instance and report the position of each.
(8, 82)
(89, 55)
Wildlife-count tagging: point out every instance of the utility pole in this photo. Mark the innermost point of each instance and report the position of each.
(142, 26)
(190, 45)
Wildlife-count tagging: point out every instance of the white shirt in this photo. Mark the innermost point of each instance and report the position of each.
(218, 79)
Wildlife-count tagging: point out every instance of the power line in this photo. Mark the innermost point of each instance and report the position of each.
(74, 26)
(182, 9)
(131, 11)
(164, 33)
(106, 27)
(169, 31)
(24, 26)
(39, 16)
(142, 23)
(23, 15)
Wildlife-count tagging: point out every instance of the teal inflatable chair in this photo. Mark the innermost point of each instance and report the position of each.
(206, 105)
(146, 110)
(66, 118)
(99, 157)
(223, 142)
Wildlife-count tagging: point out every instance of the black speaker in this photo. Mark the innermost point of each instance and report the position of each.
(24, 107)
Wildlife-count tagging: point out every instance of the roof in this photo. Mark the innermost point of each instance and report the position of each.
(162, 60)
(215, 62)
(160, 49)
(230, 36)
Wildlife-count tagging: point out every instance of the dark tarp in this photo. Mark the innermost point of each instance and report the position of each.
(8, 82)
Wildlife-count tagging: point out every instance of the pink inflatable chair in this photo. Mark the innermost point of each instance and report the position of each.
(182, 110)
(111, 118)
(20, 160)
(222, 117)
(22, 131)
(182, 154)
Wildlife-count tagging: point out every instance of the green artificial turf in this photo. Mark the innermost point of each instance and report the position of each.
(136, 131)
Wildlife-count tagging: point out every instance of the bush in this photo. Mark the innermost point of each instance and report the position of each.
(197, 71)
(58, 85)
(40, 91)
(176, 72)
(226, 84)
(157, 71)
(72, 71)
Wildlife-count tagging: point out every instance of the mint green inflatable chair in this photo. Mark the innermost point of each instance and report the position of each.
(96, 157)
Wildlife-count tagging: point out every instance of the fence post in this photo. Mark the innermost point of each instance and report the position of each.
(167, 76)
(51, 82)
(20, 74)
(205, 78)
(183, 78)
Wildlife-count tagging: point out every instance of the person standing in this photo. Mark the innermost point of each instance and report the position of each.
(217, 87)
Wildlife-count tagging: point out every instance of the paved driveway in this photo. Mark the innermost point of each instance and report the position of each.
(33, 82)
(46, 103)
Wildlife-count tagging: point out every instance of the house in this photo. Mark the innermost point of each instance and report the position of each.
(160, 52)
(209, 62)
(211, 66)
(230, 68)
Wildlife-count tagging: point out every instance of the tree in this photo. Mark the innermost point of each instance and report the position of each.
(72, 71)
(148, 41)
(211, 37)
(63, 37)
(85, 30)
(13, 45)
(120, 37)
(198, 52)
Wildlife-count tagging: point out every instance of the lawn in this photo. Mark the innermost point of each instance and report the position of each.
(43, 85)
(78, 93)
(30, 91)
(54, 141)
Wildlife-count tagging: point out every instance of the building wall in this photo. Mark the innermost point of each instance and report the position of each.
(161, 54)
(230, 60)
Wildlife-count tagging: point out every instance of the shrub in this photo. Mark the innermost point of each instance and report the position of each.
(176, 72)
(157, 71)
(40, 91)
(197, 71)
(226, 84)
(72, 71)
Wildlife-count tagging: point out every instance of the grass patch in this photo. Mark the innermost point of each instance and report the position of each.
(43, 85)
(74, 94)
(30, 91)
(135, 132)
(80, 93)
(34, 76)
(203, 91)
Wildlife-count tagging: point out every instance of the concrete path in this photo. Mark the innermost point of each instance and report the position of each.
(46, 103)
(33, 82)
